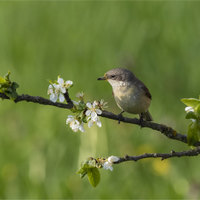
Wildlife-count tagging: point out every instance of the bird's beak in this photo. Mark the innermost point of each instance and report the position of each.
(102, 78)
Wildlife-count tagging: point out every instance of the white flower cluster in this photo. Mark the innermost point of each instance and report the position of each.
(108, 164)
(75, 124)
(85, 112)
(92, 114)
(57, 89)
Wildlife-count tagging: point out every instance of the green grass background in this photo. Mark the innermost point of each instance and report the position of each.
(39, 154)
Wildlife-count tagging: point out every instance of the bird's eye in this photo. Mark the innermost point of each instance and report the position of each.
(112, 76)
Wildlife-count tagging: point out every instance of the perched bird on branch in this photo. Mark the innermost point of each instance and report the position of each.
(131, 95)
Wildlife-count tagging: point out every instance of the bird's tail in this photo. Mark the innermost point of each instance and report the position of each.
(147, 116)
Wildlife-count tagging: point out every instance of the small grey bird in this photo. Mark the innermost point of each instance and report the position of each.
(131, 95)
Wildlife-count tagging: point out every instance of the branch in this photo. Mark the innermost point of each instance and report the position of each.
(163, 156)
(165, 130)
(37, 99)
(67, 98)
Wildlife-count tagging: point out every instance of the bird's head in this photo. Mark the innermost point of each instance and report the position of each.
(118, 75)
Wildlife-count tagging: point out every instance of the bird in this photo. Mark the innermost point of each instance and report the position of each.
(130, 93)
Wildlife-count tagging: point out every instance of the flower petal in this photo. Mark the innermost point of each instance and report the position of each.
(53, 97)
(89, 105)
(90, 123)
(74, 126)
(189, 108)
(77, 122)
(112, 159)
(69, 119)
(99, 123)
(107, 166)
(50, 86)
(98, 111)
(88, 112)
(95, 103)
(81, 128)
(94, 116)
(61, 97)
(63, 90)
(50, 89)
(56, 86)
(69, 83)
(60, 81)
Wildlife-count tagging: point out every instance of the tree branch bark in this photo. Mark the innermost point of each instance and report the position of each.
(163, 156)
(39, 100)
(165, 130)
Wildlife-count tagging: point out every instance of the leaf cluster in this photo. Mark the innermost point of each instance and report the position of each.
(90, 167)
(194, 115)
(8, 87)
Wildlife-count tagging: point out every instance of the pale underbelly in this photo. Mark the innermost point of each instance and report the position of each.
(135, 104)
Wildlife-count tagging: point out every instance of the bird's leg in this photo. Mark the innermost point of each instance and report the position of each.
(141, 120)
(120, 116)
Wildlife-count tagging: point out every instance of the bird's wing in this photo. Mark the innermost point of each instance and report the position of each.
(144, 88)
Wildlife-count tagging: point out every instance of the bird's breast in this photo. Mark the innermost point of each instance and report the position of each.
(131, 99)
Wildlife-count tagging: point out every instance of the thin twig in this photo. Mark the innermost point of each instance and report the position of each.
(165, 130)
(163, 156)
(67, 98)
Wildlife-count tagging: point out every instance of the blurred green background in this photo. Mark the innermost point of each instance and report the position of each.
(39, 154)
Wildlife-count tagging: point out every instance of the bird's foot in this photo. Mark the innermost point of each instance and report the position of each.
(120, 117)
(141, 121)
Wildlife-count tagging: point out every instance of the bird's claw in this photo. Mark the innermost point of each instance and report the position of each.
(141, 120)
(120, 117)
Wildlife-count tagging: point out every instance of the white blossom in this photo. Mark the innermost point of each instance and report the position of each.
(61, 85)
(56, 90)
(93, 111)
(108, 166)
(92, 114)
(53, 96)
(75, 124)
(102, 104)
(189, 109)
(68, 84)
(91, 122)
(80, 95)
(113, 159)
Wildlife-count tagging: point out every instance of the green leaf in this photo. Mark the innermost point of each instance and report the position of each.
(198, 109)
(2, 80)
(191, 115)
(90, 168)
(89, 163)
(193, 133)
(82, 172)
(14, 85)
(192, 102)
(7, 76)
(93, 176)
(7, 87)
(84, 119)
